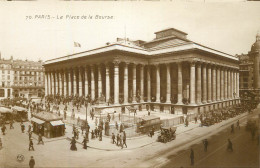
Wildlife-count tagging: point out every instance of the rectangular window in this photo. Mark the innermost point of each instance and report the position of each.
(2, 93)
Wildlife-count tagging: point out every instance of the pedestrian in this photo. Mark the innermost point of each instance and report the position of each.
(124, 140)
(232, 128)
(86, 135)
(191, 157)
(186, 122)
(117, 139)
(82, 128)
(121, 128)
(92, 134)
(238, 125)
(1, 145)
(40, 139)
(120, 140)
(230, 146)
(113, 138)
(100, 135)
(96, 121)
(116, 125)
(84, 143)
(32, 162)
(22, 127)
(29, 128)
(196, 119)
(11, 124)
(30, 135)
(3, 129)
(205, 143)
(73, 144)
(31, 145)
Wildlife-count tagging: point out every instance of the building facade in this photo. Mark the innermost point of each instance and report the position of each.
(169, 74)
(21, 78)
(28, 78)
(250, 71)
(6, 78)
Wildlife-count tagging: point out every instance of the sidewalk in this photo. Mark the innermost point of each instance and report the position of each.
(141, 141)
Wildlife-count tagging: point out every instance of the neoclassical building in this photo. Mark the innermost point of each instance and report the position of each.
(169, 74)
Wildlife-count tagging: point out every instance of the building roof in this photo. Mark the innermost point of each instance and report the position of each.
(171, 29)
(47, 116)
(157, 46)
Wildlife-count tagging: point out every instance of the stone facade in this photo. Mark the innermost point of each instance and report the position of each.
(170, 73)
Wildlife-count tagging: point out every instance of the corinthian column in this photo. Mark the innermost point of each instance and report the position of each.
(52, 83)
(46, 83)
(142, 83)
(158, 83)
(222, 86)
(226, 85)
(92, 82)
(179, 83)
(168, 89)
(64, 83)
(107, 83)
(99, 81)
(134, 83)
(214, 83)
(86, 81)
(74, 82)
(56, 83)
(60, 82)
(192, 83)
(204, 79)
(126, 83)
(198, 83)
(218, 84)
(209, 84)
(148, 84)
(80, 81)
(49, 83)
(69, 83)
(116, 83)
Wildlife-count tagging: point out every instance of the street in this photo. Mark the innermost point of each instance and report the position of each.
(245, 154)
(56, 153)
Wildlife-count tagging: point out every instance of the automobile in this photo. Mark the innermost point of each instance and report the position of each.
(167, 134)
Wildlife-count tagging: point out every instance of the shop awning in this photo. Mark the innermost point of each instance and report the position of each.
(56, 123)
(38, 121)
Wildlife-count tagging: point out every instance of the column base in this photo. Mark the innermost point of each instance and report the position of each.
(179, 103)
(168, 102)
(192, 104)
(204, 102)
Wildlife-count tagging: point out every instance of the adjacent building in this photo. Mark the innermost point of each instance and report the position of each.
(169, 74)
(249, 70)
(21, 78)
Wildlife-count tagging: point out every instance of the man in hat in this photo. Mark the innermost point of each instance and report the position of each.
(85, 143)
(3, 129)
(31, 145)
(22, 127)
(40, 139)
(113, 138)
(11, 124)
(32, 162)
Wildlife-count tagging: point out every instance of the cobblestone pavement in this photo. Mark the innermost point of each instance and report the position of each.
(56, 152)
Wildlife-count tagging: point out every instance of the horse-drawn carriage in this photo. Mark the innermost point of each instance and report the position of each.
(167, 134)
(5, 115)
(20, 114)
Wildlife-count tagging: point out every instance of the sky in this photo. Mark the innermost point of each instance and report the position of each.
(229, 27)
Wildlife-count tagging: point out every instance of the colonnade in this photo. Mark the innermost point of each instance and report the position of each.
(207, 82)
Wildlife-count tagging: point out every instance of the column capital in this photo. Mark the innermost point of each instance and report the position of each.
(192, 62)
(116, 63)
